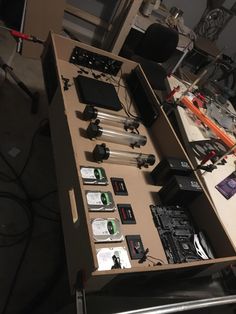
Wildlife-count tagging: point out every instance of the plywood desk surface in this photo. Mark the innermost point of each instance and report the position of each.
(226, 209)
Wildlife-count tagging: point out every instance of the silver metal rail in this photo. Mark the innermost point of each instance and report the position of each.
(185, 306)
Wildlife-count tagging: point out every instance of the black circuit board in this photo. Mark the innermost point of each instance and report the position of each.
(176, 231)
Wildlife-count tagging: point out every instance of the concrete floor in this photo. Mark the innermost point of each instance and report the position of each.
(44, 267)
(42, 284)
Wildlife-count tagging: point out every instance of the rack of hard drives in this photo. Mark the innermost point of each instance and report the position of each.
(137, 205)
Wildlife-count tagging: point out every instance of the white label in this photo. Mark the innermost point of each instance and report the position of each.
(94, 198)
(194, 184)
(100, 227)
(105, 261)
(87, 173)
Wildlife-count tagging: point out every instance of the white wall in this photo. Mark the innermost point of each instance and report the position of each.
(192, 9)
(226, 39)
(101, 8)
(86, 31)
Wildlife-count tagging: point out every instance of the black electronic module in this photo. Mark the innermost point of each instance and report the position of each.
(178, 235)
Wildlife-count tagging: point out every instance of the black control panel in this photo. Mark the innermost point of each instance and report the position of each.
(95, 61)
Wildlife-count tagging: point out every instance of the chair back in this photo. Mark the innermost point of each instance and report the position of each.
(158, 43)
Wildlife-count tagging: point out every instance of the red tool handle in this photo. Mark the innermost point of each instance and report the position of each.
(20, 35)
(171, 94)
(208, 157)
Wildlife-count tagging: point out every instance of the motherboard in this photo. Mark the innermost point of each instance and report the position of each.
(177, 234)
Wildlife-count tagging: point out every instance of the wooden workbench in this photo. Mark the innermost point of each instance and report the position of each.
(72, 149)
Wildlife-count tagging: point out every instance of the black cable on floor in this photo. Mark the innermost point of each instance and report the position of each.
(47, 208)
(13, 283)
(21, 185)
(42, 122)
(17, 176)
(47, 218)
(39, 198)
(43, 294)
(27, 205)
(27, 236)
(12, 243)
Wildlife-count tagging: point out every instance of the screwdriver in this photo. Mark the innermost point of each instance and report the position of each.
(171, 94)
(208, 157)
(27, 37)
(207, 168)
